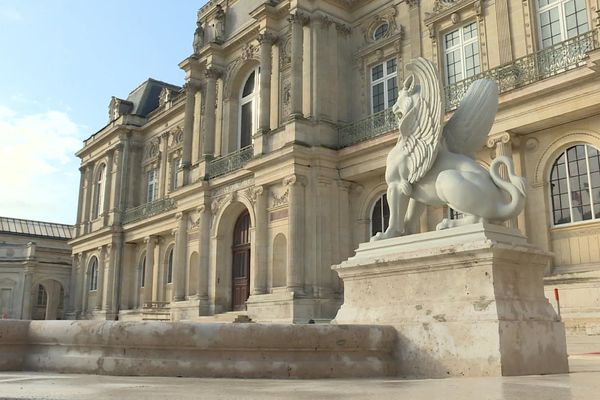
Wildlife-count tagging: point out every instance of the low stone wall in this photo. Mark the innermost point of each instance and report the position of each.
(198, 350)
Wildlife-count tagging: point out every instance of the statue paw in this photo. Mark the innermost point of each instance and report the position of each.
(378, 236)
(445, 224)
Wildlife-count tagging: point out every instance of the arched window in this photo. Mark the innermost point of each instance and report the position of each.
(380, 215)
(248, 120)
(170, 267)
(42, 296)
(575, 185)
(240, 283)
(143, 271)
(94, 274)
(99, 185)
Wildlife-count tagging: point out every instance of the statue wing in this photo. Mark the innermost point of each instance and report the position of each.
(467, 130)
(421, 127)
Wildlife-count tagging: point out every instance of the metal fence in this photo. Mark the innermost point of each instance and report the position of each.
(148, 210)
(367, 128)
(229, 163)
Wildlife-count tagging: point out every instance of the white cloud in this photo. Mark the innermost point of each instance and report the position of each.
(38, 170)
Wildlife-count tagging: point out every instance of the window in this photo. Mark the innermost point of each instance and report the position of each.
(461, 53)
(380, 215)
(151, 185)
(561, 20)
(381, 31)
(384, 85)
(99, 186)
(61, 300)
(170, 267)
(94, 274)
(42, 296)
(175, 164)
(143, 272)
(248, 120)
(575, 185)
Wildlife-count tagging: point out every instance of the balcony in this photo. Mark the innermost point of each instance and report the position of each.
(229, 163)
(148, 210)
(367, 128)
(561, 57)
(523, 71)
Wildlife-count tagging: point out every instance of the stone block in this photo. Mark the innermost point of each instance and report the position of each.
(467, 301)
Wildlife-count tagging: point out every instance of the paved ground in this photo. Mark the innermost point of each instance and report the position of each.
(582, 383)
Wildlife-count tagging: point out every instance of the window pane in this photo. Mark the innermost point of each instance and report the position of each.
(246, 125)
(377, 72)
(559, 192)
(378, 98)
(392, 91)
(391, 66)
(249, 86)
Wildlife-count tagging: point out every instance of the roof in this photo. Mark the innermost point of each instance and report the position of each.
(145, 97)
(26, 227)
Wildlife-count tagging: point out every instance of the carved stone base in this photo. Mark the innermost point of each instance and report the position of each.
(467, 301)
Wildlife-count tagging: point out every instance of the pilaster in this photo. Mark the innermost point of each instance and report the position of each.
(180, 257)
(296, 233)
(297, 21)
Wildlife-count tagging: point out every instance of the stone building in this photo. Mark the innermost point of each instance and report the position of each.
(237, 192)
(35, 269)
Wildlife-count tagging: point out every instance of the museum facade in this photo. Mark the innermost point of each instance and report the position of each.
(235, 194)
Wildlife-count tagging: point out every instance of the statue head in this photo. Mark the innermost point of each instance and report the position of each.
(405, 102)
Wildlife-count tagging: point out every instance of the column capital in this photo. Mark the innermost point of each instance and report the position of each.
(201, 208)
(342, 28)
(192, 86)
(294, 179)
(500, 138)
(298, 17)
(267, 38)
(151, 239)
(344, 185)
(324, 19)
(213, 72)
(413, 3)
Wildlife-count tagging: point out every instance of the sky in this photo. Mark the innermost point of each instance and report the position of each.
(60, 63)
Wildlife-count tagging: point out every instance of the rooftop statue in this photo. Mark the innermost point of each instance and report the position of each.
(432, 163)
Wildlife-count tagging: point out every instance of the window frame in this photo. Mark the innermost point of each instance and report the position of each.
(170, 262)
(372, 209)
(563, 151)
(93, 284)
(385, 78)
(154, 183)
(175, 164)
(461, 47)
(99, 189)
(560, 5)
(253, 99)
(142, 279)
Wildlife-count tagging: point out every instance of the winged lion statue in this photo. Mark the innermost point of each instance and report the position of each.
(432, 162)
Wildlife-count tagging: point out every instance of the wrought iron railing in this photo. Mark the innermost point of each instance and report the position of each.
(229, 163)
(368, 128)
(531, 68)
(148, 210)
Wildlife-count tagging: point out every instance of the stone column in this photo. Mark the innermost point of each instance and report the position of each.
(414, 13)
(27, 282)
(150, 242)
(107, 185)
(297, 21)
(197, 132)
(503, 147)
(504, 34)
(162, 181)
(295, 271)
(80, 206)
(87, 212)
(212, 74)
(53, 300)
(179, 257)
(74, 287)
(203, 250)
(99, 292)
(345, 229)
(109, 279)
(188, 128)
(84, 287)
(261, 247)
(266, 41)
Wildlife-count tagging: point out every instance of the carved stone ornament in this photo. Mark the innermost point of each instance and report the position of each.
(433, 162)
(279, 200)
(152, 149)
(219, 25)
(386, 17)
(166, 95)
(250, 52)
(198, 43)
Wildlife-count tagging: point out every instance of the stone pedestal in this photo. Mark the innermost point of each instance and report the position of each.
(467, 301)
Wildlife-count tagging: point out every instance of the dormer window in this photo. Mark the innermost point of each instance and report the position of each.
(381, 31)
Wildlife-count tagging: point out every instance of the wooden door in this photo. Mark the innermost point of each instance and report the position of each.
(240, 283)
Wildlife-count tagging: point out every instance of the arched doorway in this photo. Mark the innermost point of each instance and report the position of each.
(240, 275)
